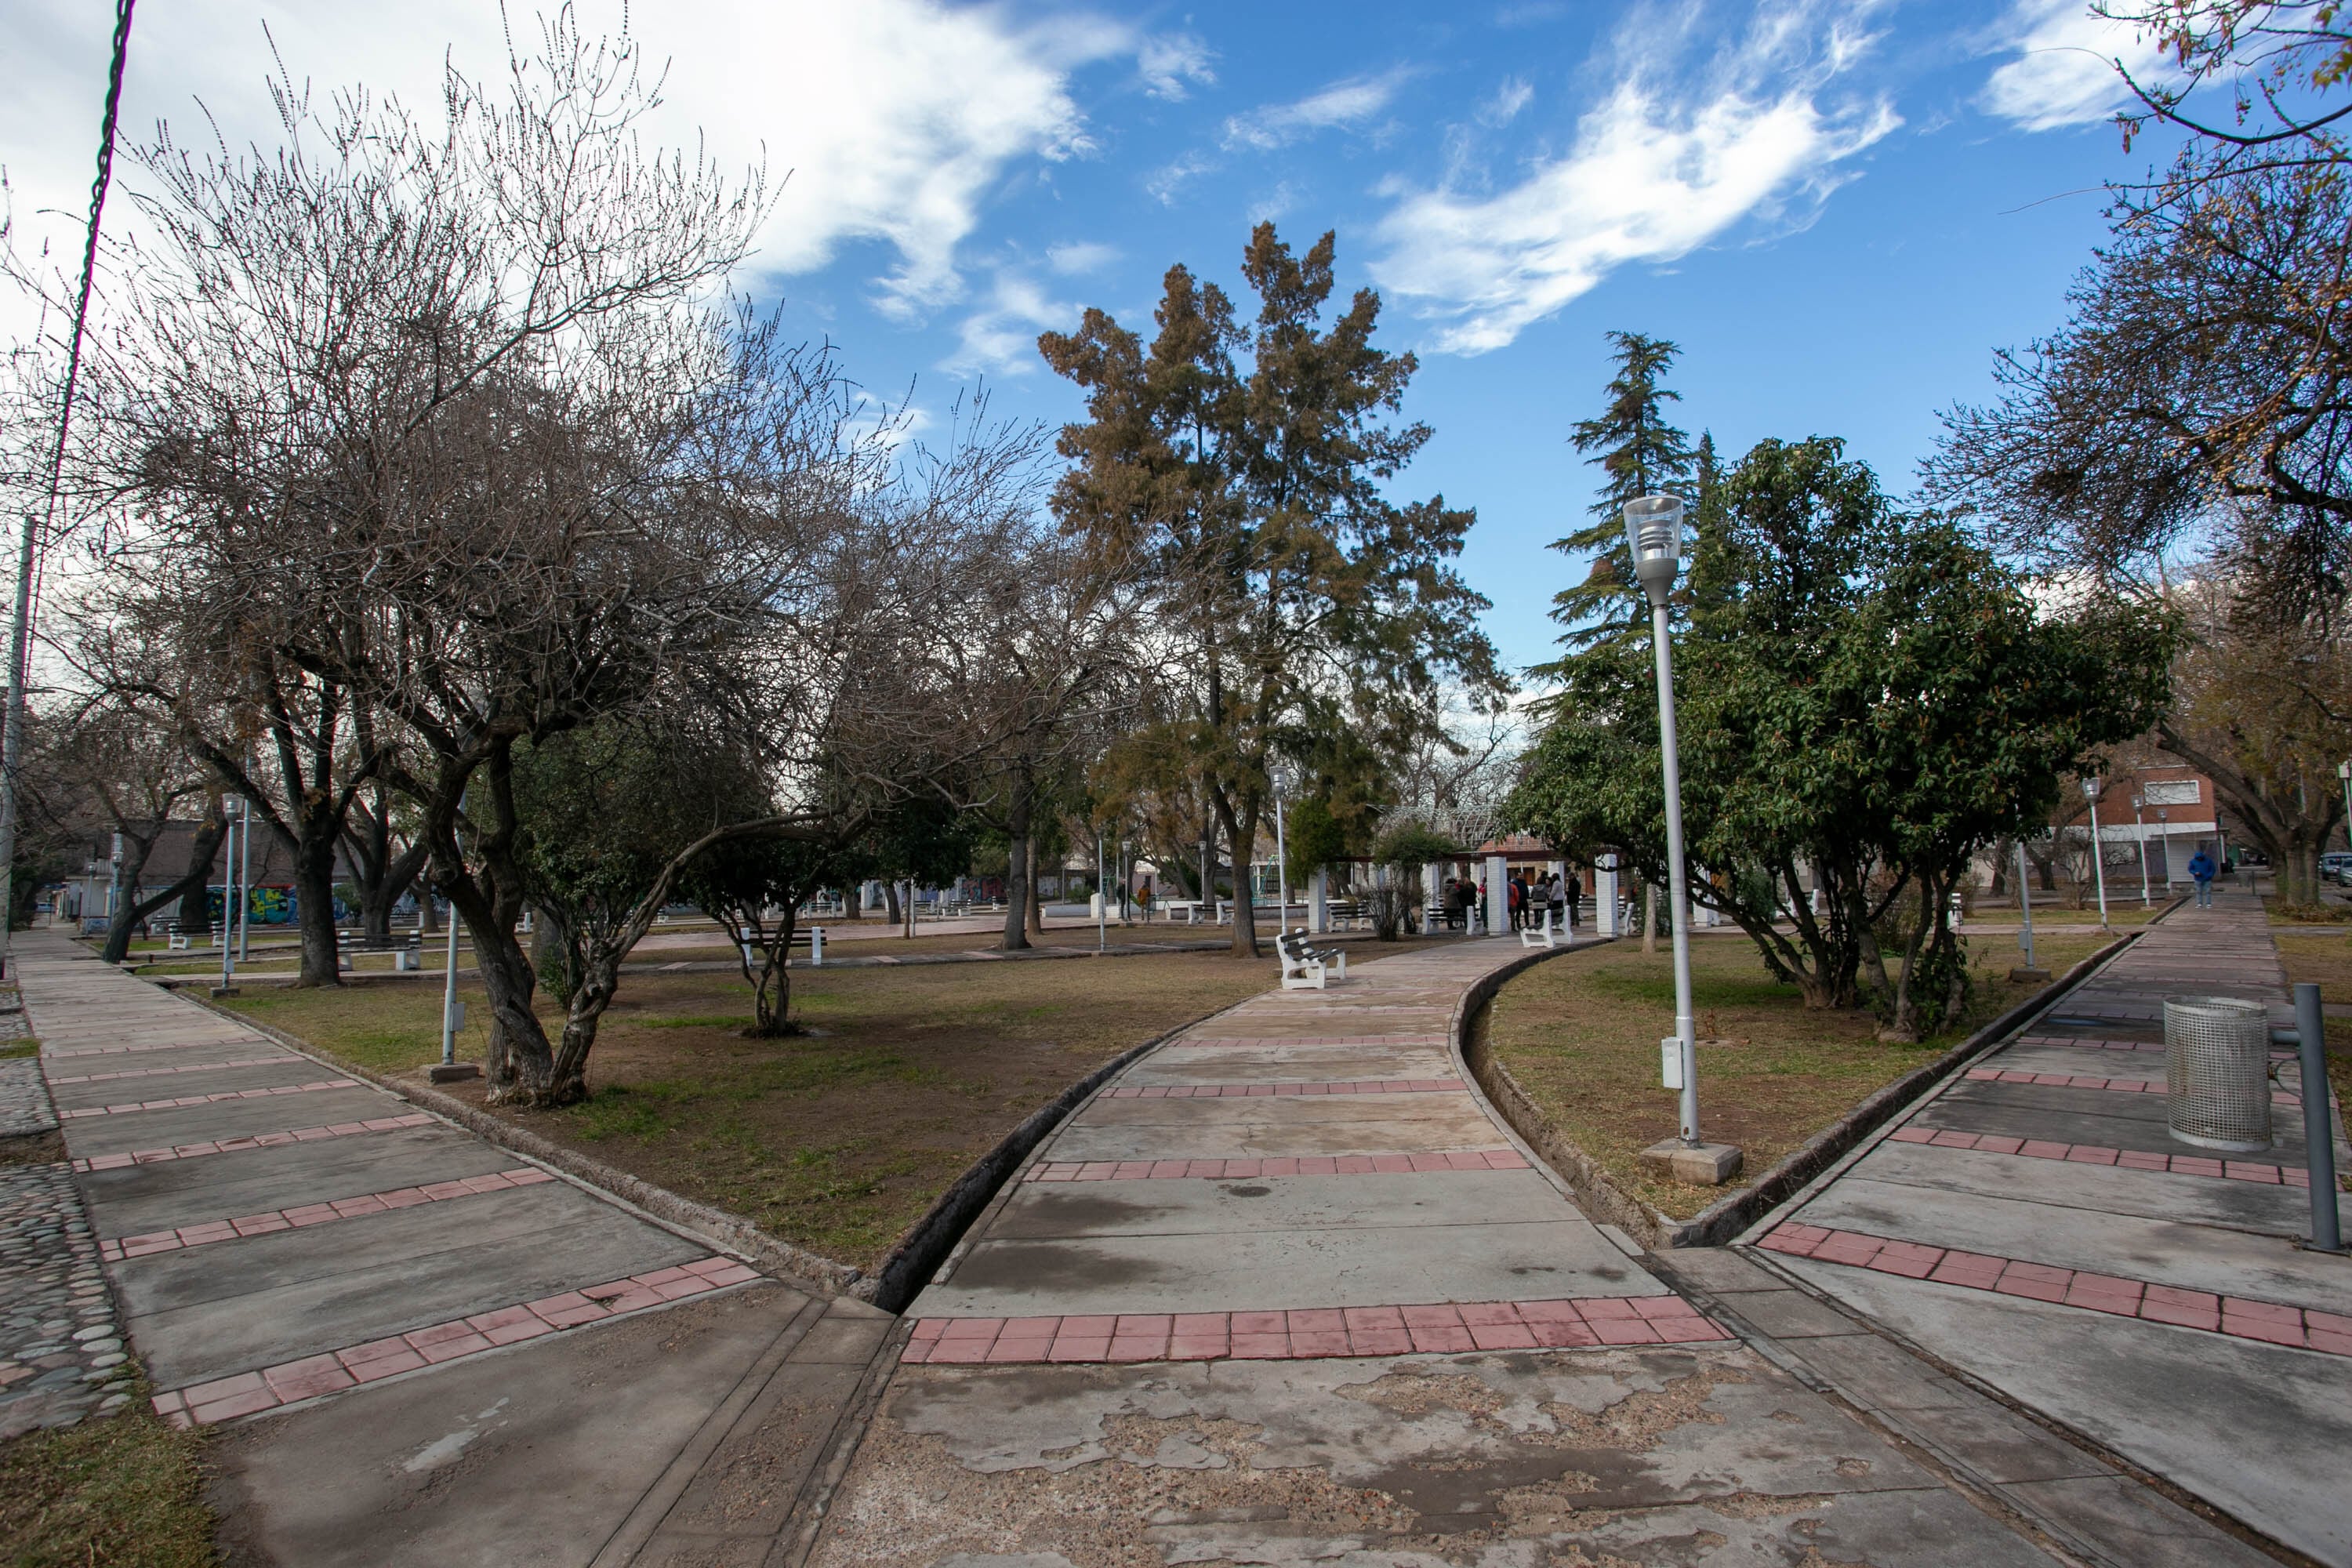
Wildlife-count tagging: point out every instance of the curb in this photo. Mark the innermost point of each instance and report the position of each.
(934, 1243)
(1725, 1220)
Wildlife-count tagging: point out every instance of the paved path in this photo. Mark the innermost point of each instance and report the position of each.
(1287, 1292)
(428, 1349)
(2037, 1226)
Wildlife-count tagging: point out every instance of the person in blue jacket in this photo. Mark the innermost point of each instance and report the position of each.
(2201, 871)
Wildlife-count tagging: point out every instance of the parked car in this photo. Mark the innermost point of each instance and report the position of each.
(2336, 867)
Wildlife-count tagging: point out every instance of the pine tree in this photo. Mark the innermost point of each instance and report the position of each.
(1639, 454)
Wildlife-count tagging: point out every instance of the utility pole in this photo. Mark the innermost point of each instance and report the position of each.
(28, 544)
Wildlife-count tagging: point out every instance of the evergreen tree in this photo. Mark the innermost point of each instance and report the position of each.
(1639, 453)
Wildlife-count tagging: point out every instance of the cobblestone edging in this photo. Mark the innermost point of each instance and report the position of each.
(61, 1351)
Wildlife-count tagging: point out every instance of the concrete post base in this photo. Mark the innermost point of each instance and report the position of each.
(219, 991)
(451, 1072)
(1709, 1165)
(2021, 975)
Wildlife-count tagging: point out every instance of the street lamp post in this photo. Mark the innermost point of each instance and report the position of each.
(2098, 850)
(1281, 866)
(2344, 773)
(2164, 833)
(2139, 831)
(1653, 531)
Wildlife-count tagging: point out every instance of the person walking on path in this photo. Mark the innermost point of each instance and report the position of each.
(1573, 892)
(2201, 871)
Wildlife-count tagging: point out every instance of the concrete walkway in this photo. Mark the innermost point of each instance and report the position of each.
(2036, 1226)
(1287, 1291)
(423, 1348)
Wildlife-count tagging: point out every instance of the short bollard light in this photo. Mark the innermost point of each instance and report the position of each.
(1654, 533)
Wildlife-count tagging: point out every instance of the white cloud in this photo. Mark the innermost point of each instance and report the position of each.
(1000, 338)
(1651, 174)
(1343, 104)
(2065, 73)
(1168, 181)
(1172, 63)
(1080, 256)
(894, 118)
(1514, 95)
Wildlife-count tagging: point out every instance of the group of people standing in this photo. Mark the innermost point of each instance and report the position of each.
(1530, 897)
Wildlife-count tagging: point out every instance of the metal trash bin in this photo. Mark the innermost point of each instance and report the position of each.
(2217, 1072)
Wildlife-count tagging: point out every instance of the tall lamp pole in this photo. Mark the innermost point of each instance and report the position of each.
(2139, 831)
(2344, 773)
(1653, 531)
(2099, 849)
(1281, 864)
(2164, 832)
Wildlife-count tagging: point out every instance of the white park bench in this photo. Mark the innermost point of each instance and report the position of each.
(1541, 936)
(1306, 968)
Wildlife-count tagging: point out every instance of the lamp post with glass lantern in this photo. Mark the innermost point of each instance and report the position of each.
(2344, 773)
(1653, 531)
(2098, 850)
(2139, 831)
(2164, 832)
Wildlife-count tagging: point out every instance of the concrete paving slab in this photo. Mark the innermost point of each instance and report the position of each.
(92, 1136)
(529, 1456)
(1199, 1207)
(1355, 1266)
(201, 1055)
(1786, 1314)
(2260, 1431)
(284, 1067)
(1270, 1129)
(132, 1200)
(2144, 1530)
(1329, 1064)
(2192, 1256)
(262, 1300)
(2150, 1194)
(2112, 1120)
(1668, 1456)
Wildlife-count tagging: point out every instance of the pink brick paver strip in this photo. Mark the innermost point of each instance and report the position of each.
(2098, 1154)
(1397, 1164)
(254, 1141)
(2300, 1327)
(1314, 1332)
(1265, 1091)
(159, 1072)
(188, 1100)
(227, 1398)
(130, 1246)
(2077, 1081)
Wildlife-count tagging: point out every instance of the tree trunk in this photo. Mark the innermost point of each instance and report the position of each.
(1649, 917)
(772, 990)
(1036, 903)
(314, 900)
(891, 900)
(1241, 838)
(1016, 862)
(202, 847)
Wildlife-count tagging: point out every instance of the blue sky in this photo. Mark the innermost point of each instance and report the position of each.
(1839, 210)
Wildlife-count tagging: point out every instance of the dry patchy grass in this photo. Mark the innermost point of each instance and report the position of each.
(1580, 1033)
(123, 1488)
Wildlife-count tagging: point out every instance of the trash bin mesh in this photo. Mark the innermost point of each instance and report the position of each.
(2217, 1072)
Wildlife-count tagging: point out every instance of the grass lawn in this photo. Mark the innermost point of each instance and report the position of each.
(837, 1139)
(1580, 1033)
(121, 1488)
(2321, 955)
